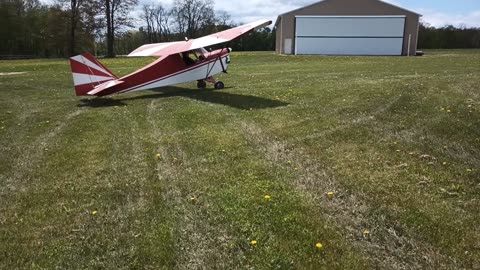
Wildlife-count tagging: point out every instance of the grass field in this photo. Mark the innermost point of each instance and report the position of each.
(178, 177)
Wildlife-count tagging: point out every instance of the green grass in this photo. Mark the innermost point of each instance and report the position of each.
(396, 139)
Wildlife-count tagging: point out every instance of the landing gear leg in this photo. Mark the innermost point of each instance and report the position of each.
(216, 84)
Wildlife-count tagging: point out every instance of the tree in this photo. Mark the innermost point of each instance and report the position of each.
(157, 19)
(116, 13)
(74, 17)
(191, 16)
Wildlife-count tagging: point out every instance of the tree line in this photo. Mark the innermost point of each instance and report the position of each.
(448, 37)
(107, 27)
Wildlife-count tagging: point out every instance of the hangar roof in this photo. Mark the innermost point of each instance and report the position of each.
(319, 2)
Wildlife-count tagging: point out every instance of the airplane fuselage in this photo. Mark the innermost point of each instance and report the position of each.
(168, 70)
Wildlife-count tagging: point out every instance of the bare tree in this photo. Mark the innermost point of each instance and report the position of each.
(116, 13)
(192, 15)
(223, 18)
(157, 19)
(147, 16)
(162, 19)
(74, 16)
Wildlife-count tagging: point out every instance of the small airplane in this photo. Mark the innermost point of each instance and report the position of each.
(178, 62)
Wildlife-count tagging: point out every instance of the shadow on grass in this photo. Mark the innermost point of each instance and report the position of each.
(100, 102)
(244, 102)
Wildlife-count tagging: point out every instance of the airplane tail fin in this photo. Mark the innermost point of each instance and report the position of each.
(88, 73)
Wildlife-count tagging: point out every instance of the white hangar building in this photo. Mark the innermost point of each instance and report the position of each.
(348, 27)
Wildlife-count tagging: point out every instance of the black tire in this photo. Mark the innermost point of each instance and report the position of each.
(201, 84)
(219, 85)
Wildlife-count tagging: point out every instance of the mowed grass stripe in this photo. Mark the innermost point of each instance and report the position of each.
(101, 168)
(228, 209)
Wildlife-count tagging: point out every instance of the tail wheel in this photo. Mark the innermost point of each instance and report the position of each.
(219, 85)
(201, 84)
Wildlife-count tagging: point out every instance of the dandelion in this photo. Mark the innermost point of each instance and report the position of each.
(94, 213)
(253, 242)
(366, 232)
(157, 155)
(193, 198)
(330, 194)
(319, 245)
(267, 197)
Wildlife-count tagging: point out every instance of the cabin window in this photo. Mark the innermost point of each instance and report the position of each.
(193, 56)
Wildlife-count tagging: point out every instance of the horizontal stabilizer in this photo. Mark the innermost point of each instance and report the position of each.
(104, 86)
(88, 73)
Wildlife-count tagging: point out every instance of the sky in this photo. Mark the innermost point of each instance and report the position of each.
(437, 13)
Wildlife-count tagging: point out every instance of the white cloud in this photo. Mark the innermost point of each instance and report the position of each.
(251, 10)
(440, 19)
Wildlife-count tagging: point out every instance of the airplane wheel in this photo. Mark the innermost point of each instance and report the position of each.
(219, 85)
(201, 84)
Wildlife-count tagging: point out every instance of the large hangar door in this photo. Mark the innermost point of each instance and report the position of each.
(349, 35)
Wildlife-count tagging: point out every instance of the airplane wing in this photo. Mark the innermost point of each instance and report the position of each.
(167, 48)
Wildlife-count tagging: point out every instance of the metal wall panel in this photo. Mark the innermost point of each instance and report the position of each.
(358, 26)
(349, 35)
(350, 46)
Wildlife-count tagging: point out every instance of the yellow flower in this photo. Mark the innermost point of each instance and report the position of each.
(267, 197)
(253, 242)
(193, 198)
(366, 232)
(319, 245)
(330, 193)
(157, 155)
(94, 213)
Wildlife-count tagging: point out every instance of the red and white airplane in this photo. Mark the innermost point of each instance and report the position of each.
(178, 62)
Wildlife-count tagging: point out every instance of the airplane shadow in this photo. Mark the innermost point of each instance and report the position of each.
(244, 102)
